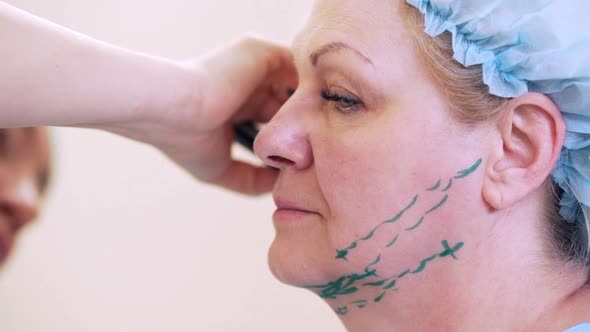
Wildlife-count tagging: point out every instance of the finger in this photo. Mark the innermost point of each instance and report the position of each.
(261, 107)
(281, 77)
(265, 102)
(247, 179)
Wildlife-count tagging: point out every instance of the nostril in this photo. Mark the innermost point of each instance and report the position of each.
(281, 160)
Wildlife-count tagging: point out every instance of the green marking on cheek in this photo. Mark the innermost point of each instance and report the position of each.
(393, 241)
(448, 185)
(433, 188)
(437, 206)
(416, 225)
(466, 172)
(401, 213)
(370, 235)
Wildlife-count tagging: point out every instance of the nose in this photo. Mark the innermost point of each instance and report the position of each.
(283, 143)
(19, 201)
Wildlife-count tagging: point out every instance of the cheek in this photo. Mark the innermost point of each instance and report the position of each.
(364, 180)
(370, 176)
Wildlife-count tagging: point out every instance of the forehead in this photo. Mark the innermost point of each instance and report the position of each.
(374, 27)
(364, 22)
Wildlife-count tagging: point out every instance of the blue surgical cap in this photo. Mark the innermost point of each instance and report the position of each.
(531, 46)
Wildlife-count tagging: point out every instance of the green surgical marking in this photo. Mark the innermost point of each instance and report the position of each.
(423, 264)
(380, 297)
(403, 274)
(445, 189)
(437, 206)
(434, 187)
(349, 284)
(392, 242)
(359, 303)
(376, 261)
(450, 251)
(369, 236)
(401, 213)
(343, 253)
(341, 311)
(341, 286)
(416, 225)
(376, 283)
(390, 285)
(466, 172)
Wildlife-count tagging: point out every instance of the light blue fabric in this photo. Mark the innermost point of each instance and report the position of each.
(531, 46)
(579, 328)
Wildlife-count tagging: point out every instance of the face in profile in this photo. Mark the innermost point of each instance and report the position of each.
(24, 173)
(376, 177)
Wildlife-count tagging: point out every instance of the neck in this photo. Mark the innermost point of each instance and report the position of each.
(492, 279)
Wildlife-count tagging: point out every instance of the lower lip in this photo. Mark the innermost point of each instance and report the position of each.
(289, 215)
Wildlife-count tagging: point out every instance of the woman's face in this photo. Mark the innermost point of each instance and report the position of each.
(374, 173)
(24, 172)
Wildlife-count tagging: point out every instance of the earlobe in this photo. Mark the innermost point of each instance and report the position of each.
(531, 131)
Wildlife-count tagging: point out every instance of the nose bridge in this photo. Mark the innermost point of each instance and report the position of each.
(283, 142)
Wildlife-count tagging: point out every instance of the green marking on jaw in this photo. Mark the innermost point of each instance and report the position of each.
(376, 261)
(341, 254)
(341, 310)
(350, 284)
(450, 251)
(390, 285)
(423, 264)
(360, 303)
(403, 274)
(380, 297)
(375, 283)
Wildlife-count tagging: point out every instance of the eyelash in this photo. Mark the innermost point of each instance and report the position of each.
(343, 104)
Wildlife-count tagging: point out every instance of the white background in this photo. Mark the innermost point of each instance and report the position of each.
(129, 242)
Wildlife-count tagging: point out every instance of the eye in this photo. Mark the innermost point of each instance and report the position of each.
(342, 103)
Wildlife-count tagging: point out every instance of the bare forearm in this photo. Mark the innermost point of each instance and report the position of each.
(54, 76)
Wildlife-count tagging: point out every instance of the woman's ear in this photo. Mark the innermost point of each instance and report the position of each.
(531, 131)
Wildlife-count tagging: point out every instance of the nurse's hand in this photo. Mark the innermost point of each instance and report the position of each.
(246, 81)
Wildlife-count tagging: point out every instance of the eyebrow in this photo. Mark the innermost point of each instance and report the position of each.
(335, 47)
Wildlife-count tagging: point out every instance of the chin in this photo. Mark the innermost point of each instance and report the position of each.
(296, 264)
(302, 263)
